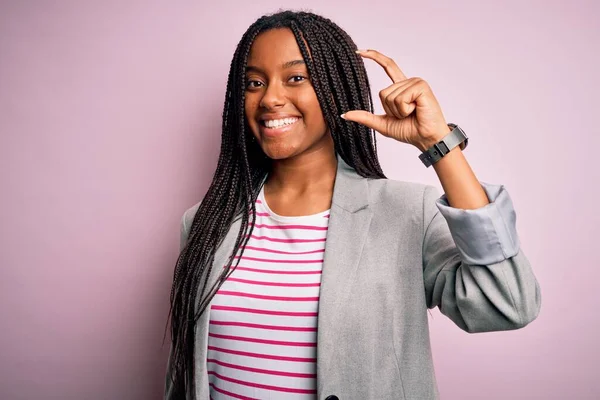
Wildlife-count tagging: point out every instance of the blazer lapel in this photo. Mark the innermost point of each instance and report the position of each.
(224, 251)
(201, 340)
(349, 221)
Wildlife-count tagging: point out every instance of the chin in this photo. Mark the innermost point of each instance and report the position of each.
(279, 153)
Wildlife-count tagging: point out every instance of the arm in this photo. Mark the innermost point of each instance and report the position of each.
(474, 270)
(460, 185)
(473, 267)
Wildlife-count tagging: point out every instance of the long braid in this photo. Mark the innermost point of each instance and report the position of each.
(340, 83)
(357, 72)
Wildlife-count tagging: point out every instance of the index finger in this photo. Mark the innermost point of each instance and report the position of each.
(389, 65)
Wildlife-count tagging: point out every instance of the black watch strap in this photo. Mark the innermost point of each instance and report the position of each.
(457, 137)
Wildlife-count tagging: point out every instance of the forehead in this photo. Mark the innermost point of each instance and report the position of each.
(274, 47)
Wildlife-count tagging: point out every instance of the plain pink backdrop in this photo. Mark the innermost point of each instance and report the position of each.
(110, 128)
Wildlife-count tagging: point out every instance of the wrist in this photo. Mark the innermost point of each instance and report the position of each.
(425, 143)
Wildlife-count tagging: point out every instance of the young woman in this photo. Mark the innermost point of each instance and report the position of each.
(305, 272)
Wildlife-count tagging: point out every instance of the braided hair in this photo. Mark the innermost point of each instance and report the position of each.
(340, 81)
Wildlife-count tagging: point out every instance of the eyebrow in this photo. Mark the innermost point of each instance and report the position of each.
(285, 65)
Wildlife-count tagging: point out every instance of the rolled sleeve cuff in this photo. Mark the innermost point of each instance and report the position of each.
(486, 235)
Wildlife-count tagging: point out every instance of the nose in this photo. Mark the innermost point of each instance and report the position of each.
(273, 97)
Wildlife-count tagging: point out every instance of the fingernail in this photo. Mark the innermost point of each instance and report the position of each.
(359, 51)
(343, 116)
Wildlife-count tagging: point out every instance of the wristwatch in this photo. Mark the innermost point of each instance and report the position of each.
(457, 137)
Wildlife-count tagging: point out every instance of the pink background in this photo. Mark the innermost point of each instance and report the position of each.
(109, 123)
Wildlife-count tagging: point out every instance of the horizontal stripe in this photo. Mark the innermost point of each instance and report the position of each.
(266, 327)
(265, 297)
(249, 282)
(268, 312)
(263, 341)
(262, 371)
(267, 334)
(286, 227)
(283, 252)
(262, 386)
(267, 214)
(227, 393)
(281, 284)
(284, 291)
(270, 260)
(262, 363)
(272, 239)
(269, 271)
(266, 356)
(265, 304)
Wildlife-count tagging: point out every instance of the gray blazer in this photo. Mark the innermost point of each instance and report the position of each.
(393, 250)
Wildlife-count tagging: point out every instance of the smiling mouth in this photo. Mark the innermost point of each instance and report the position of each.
(278, 123)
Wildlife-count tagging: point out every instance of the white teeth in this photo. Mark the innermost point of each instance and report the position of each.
(278, 123)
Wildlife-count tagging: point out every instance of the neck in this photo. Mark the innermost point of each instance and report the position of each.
(315, 169)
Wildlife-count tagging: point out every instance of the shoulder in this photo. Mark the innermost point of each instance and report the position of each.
(399, 194)
(188, 217)
(383, 193)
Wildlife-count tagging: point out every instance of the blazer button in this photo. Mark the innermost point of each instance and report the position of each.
(332, 397)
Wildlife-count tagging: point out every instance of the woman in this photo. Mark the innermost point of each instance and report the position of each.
(305, 272)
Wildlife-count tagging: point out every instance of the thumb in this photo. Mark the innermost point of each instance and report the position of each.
(377, 122)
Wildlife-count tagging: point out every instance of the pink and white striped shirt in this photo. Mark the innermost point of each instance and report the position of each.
(263, 320)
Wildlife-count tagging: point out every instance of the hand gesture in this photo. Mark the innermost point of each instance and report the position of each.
(412, 113)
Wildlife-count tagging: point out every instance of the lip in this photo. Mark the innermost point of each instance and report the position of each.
(271, 132)
(265, 117)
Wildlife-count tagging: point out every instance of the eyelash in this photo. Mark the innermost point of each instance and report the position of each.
(249, 86)
(298, 76)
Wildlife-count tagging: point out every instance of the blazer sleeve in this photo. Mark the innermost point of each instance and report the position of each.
(473, 267)
(183, 236)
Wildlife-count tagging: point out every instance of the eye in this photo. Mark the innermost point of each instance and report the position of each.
(297, 78)
(253, 84)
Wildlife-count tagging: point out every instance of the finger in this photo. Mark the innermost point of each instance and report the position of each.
(389, 65)
(377, 122)
(390, 105)
(390, 93)
(402, 100)
(383, 95)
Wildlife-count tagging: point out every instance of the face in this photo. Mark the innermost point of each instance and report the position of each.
(281, 105)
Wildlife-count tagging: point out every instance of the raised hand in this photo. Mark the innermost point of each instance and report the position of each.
(412, 113)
